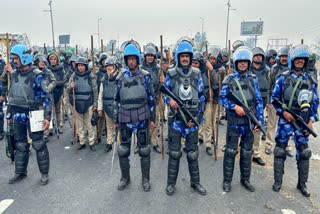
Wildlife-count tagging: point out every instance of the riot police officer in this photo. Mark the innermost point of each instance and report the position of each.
(245, 86)
(28, 92)
(134, 113)
(298, 92)
(185, 82)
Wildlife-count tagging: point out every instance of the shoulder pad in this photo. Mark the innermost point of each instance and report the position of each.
(275, 65)
(91, 75)
(252, 75)
(172, 72)
(227, 80)
(120, 75)
(286, 73)
(196, 70)
(144, 72)
(158, 66)
(37, 71)
(313, 79)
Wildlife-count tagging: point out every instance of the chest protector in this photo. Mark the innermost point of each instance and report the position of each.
(289, 84)
(154, 72)
(185, 87)
(133, 99)
(279, 70)
(16, 96)
(262, 76)
(83, 92)
(247, 86)
(109, 89)
(59, 75)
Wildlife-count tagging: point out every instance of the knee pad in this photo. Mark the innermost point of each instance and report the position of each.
(38, 145)
(145, 151)
(22, 147)
(142, 137)
(231, 152)
(175, 154)
(123, 151)
(279, 153)
(193, 155)
(246, 153)
(305, 154)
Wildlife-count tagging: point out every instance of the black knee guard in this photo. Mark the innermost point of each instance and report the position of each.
(124, 153)
(303, 163)
(173, 166)
(245, 163)
(228, 163)
(278, 164)
(192, 158)
(42, 155)
(21, 157)
(142, 137)
(145, 161)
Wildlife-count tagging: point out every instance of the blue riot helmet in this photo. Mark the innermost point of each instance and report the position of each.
(184, 47)
(241, 54)
(131, 50)
(23, 53)
(300, 51)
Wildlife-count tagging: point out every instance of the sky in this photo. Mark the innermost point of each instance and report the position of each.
(146, 20)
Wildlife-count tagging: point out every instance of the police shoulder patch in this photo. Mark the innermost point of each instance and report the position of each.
(144, 72)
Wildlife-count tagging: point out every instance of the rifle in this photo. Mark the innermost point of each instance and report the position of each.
(232, 97)
(182, 106)
(10, 148)
(161, 103)
(298, 118)
(211, 109)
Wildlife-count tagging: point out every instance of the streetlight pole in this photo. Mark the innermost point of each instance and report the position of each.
(50, 2)
(229, 5)
(99, 19)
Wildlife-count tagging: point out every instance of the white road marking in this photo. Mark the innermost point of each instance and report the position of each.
(5, 204)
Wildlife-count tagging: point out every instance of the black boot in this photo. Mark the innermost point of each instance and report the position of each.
(245, 168)
(145, 168)
(44, 179)
(173, 169)
(228, 167)
(16, 178)
(192, 158)
(82, 147)
(278, 167)
(303, 171)
(157, 149)
(108, 148)
(125, 173)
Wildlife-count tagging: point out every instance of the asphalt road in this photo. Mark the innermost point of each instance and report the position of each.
(83, 183)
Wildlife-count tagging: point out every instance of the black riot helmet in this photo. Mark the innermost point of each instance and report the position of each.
(83, 61)
(150, 50)
(197, 56)
(284, 51)
(102, 57)
(271, 53)
(258, 51)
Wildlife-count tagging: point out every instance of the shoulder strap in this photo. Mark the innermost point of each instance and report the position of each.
(294, 91)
